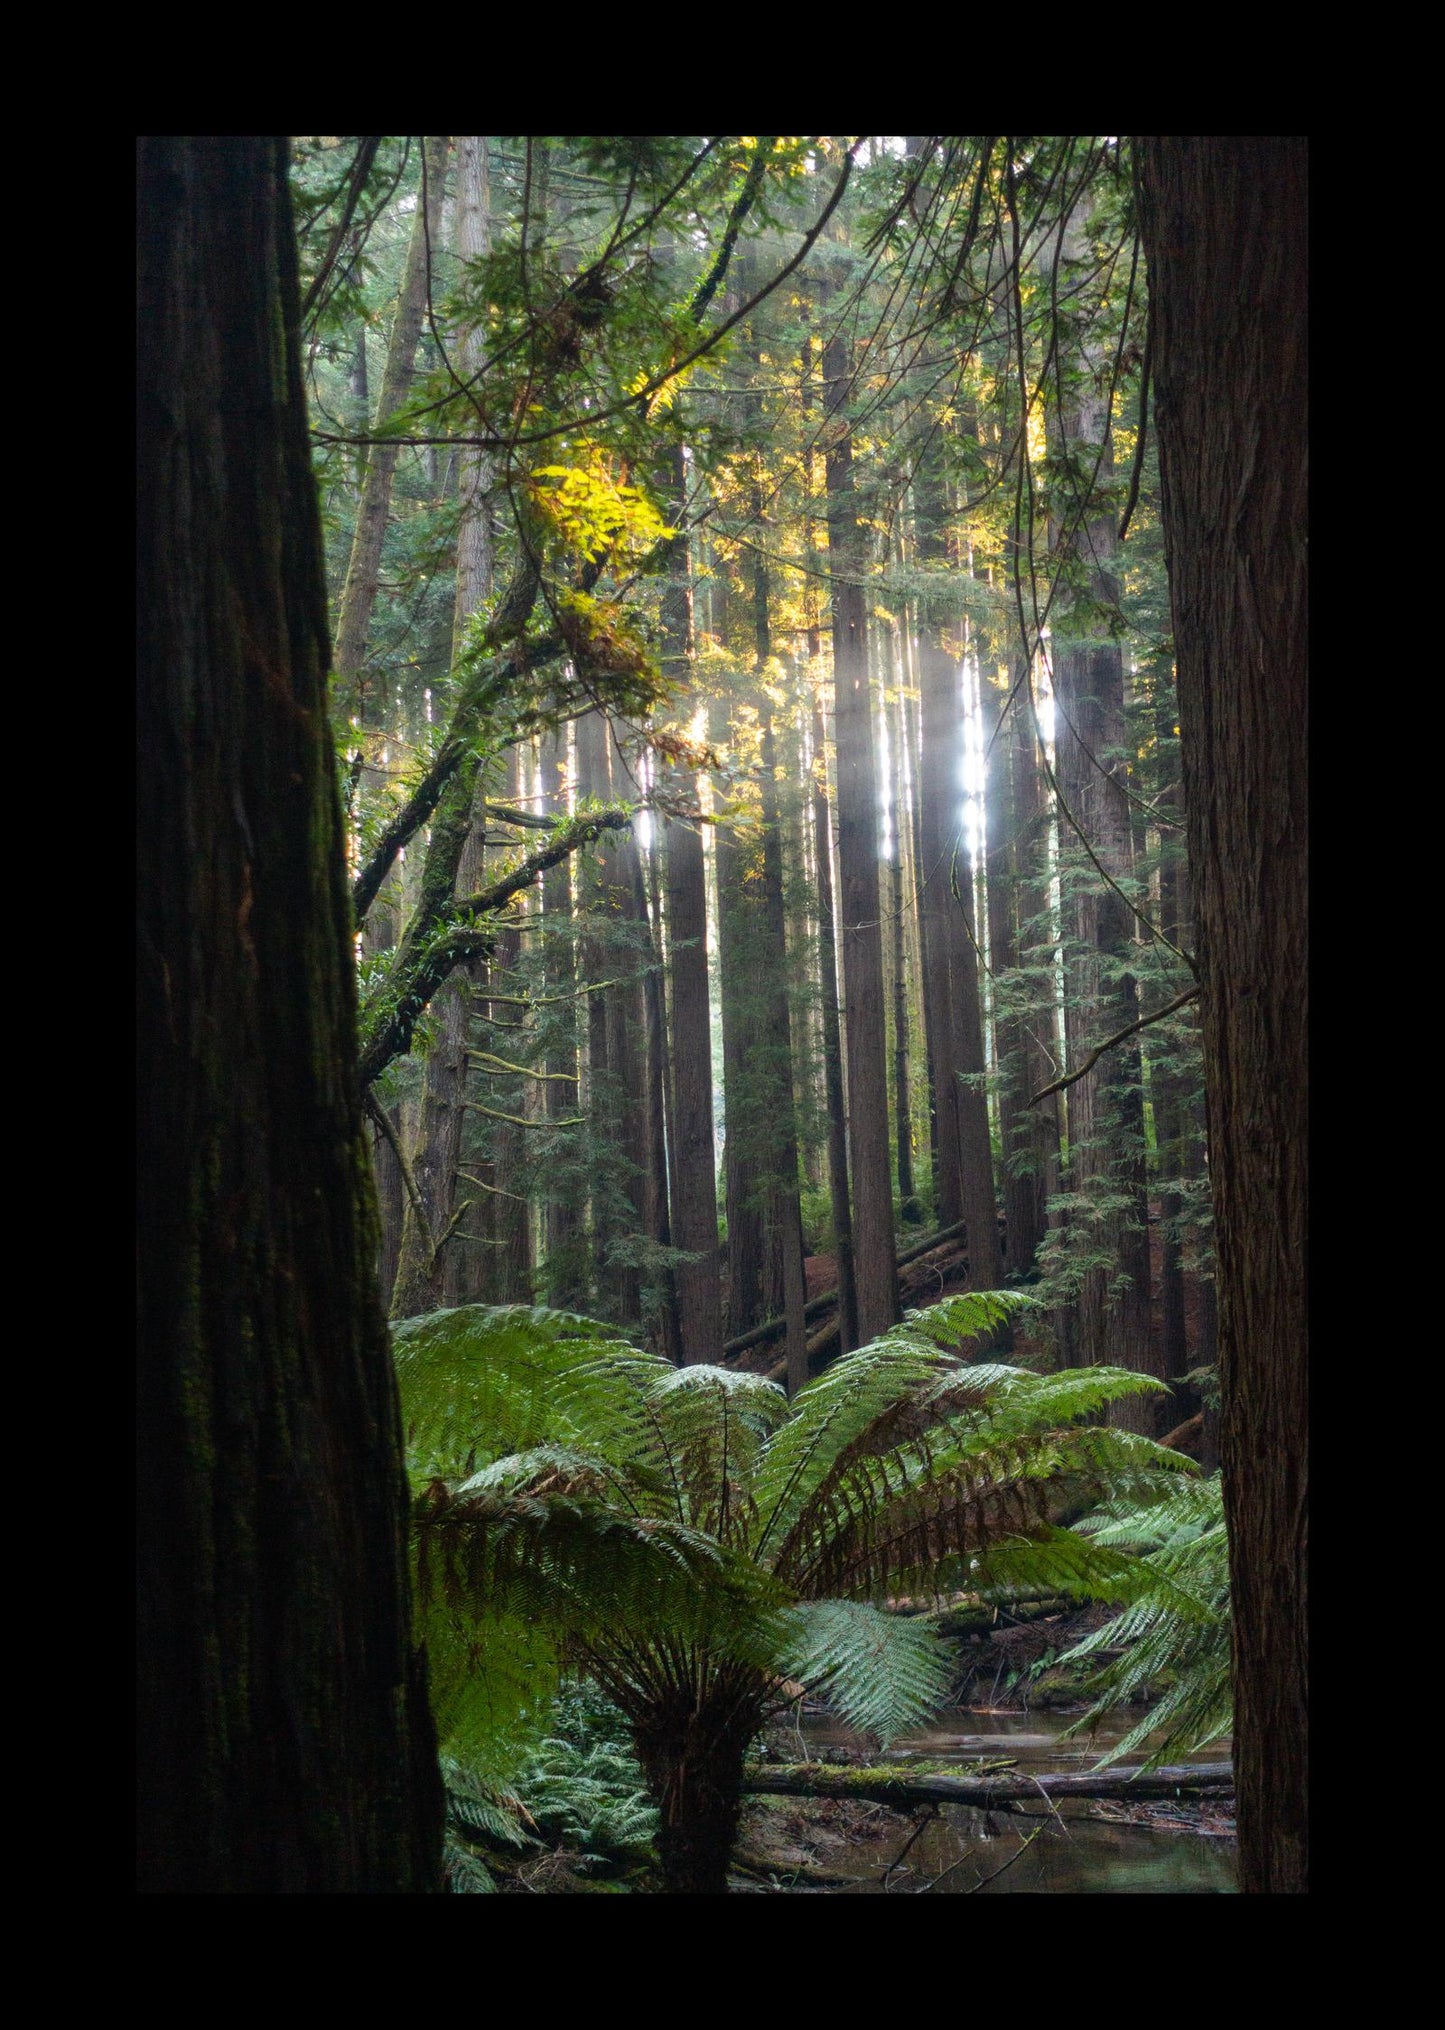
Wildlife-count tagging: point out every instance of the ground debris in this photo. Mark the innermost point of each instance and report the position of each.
(1209, 1818)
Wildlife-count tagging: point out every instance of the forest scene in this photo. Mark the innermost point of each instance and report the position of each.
(722, 1015)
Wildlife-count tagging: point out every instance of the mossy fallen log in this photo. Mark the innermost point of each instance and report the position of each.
(901, 1786)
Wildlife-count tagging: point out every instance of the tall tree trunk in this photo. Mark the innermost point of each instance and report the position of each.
(616, 1100)
(691, 1147)
(430, 1220)
(1106, 1107)
(1174, 1134)
(627, 1040)
(824, 847)
(743, 956)
(471, 241)
(1225, 229)
(963, 1165)
(562, 1228)
(1014, 841)
(867, 1070)
(511, 1225)
(784, 1212)
(898, 888)
(656, 1211)
(694, 1195)
(594, 781)
(363, 572)
(284, 1739)
(429, 1225)
(838, 1189)
(800, 892)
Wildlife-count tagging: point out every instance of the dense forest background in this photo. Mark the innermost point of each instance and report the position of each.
(772, 595)
(780, 896)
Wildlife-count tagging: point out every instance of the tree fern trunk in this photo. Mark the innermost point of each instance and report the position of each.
(692, 1760)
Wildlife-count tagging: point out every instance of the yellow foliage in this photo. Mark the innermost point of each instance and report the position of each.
(595, 514)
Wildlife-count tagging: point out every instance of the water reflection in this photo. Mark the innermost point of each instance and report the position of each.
(1058, 1851)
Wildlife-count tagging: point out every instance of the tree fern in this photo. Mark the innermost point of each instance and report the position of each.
(699, 1544)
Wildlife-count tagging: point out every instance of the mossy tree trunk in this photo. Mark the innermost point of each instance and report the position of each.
(285, 1741)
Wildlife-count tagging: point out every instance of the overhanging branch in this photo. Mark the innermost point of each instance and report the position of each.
(1129, 1029)
(430, 953)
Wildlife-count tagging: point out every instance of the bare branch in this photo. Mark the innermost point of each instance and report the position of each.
(1130, 1029)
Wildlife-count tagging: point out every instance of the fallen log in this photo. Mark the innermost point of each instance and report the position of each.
(817, 1346)
(816, 1306)
(901, 1787)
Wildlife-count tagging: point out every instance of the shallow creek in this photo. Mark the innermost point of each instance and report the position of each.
(1061, 1850)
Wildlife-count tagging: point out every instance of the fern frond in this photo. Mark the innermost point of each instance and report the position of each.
(973, 1456)
(716, 1423)
(1164, 1514)
(463, 1873)
(956, 1322)
(1175, 1629)
(483, 1380)
(882, 1673)
(481, 1809)
(835, 1413)
(561, 1551)
(489, 1681)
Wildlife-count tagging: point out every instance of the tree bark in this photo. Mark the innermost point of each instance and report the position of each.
(284, 1739)
(753, 1292)
(867, 1070)
(694, 1198)
(898, 888)
(692, 1154)
(1225, 230)
(511, 1226)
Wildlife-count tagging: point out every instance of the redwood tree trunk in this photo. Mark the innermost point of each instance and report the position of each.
(862, 940)
(833, 1048)
(423, 1268)
(953, 1010)
(285, 1742)
(564, 1280)
(694, 1194)
(1225, 235)
(358, 596)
